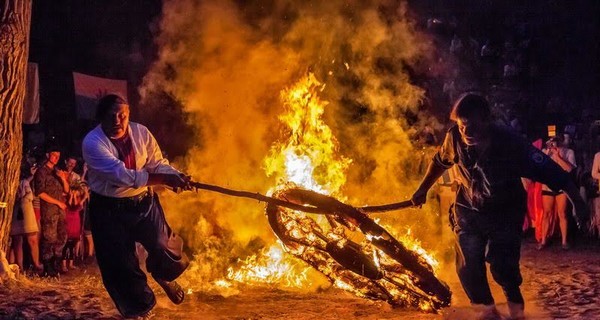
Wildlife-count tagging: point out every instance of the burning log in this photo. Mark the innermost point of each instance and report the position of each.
(350, 256)
(382, 268)
(394, 272)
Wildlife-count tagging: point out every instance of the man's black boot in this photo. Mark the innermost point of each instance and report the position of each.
(50, 268)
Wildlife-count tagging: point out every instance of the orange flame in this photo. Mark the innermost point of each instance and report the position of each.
(309, 158)
(271, 266)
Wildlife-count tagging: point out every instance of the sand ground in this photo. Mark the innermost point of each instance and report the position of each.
(557, 285)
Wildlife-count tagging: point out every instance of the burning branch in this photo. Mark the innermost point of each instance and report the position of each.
(380, 268)
(383, 268)
(298, 207)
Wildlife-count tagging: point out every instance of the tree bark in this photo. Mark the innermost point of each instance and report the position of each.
(15, 20)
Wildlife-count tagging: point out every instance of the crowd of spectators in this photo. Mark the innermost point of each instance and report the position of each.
(509, 64)
(505, 60)
(50, 231)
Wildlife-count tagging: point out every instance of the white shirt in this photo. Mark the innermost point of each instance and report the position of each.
(108, 176)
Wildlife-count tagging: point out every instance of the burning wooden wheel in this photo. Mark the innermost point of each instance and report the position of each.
(379, 267)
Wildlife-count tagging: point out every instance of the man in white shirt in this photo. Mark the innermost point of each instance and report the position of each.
(124, 159)
(73, 177)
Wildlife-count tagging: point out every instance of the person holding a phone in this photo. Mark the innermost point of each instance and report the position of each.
(555, 202)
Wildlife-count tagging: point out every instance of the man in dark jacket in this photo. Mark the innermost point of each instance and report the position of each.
(51, 185)
(491, 203)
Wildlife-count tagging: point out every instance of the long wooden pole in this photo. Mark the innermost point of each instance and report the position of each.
(291, 205)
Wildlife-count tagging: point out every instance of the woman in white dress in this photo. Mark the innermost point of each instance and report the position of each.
(24, 223)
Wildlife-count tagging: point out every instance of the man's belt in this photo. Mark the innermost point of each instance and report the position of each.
(122, 201)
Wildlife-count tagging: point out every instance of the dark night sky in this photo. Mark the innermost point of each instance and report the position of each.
(109, 38)
(112, 38)
(565, 34)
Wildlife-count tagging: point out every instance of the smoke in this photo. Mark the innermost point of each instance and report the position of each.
(226, 63)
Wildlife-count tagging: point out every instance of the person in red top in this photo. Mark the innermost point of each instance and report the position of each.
(76, 200)
(124, 160)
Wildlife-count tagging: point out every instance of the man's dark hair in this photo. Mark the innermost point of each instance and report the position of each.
(25, 170)
(471, 104)
(52, 147)
(106, 102)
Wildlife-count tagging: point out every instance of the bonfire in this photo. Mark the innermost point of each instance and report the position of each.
(342, 242)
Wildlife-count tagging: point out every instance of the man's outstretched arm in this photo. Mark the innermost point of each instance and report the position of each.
(434, 172)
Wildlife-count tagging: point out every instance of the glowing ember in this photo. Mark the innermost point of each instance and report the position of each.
(412, 244)
(223, 283)
(415, 245)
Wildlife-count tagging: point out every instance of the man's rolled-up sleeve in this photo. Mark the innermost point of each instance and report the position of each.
(156, 162)
(446, 155)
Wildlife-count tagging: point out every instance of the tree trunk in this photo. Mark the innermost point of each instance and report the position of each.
(15, 20)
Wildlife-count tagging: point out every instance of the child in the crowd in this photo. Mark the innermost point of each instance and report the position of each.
(75, 203)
